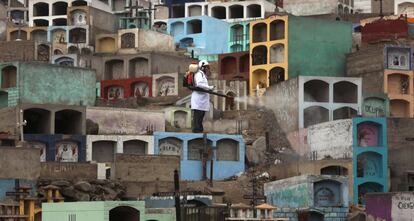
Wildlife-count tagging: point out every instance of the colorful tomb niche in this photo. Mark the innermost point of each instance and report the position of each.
(141, 89)
(368, 134)
(115, 92)
(66, 152)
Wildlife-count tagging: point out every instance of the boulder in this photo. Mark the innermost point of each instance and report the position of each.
(83, 186)
(68, 192)
(79, 196)
(61, 183)
(256, 153)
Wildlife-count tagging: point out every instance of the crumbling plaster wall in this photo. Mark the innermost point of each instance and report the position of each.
(331, 139)
(8, 119)
(145, 169)
(122, 121)
(283, 100)
(146, 41)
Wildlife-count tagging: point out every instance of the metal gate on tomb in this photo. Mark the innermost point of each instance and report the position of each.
(206, 213)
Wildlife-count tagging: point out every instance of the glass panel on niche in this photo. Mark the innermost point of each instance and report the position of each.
(141, 89)
(170, 146)
(67, 152)
(115, 92)
(368, 135)
(128, 40)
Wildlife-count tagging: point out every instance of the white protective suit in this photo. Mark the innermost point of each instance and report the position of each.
(201, 100)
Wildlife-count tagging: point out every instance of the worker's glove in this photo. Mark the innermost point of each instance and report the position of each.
(212, 87)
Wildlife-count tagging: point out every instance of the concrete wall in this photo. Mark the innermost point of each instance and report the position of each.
(400, 150)
(100, 22)
(230, 148)
(332, 39)
(387, 7)
(19, 163)
(8, 119)
(118, 121)
(367, 60)
(52, 84)
(224, 126)
(331, 139)
(298, 142)
(145, 169)
(285, 104)
(78, 87)
(390, 206)
(311, 7)
(68, 171)
(17, 51)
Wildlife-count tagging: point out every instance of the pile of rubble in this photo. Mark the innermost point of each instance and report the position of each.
(97, 190)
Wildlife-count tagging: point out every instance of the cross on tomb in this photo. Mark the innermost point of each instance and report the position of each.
(207, 154)
(254, 197)
(380, 13)
(138, 9)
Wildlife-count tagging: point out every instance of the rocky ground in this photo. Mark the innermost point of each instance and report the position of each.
(97, 190)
